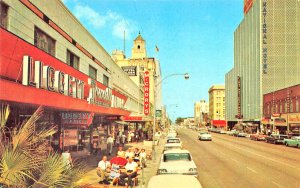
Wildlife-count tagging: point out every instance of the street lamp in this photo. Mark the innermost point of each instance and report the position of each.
(186, 76)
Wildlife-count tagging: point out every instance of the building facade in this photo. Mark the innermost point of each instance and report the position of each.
(217, 106)
(201, 109)
(49, 59)
(136, 67)
(266, 58)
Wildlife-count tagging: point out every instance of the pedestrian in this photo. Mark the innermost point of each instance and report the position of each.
(143, 157)
(123, 139)
(103, 170)
(95, 148)
(67, 159)
(129, 137)
(110, 142)
(132, 136)
(269, 132)
(118, 141)
(121, 153)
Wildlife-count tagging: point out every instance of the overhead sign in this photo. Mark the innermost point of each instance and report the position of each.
(130, 70)
(239, 98)
(146, 93)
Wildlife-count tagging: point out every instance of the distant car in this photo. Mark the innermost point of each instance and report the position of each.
(231, 133)
(276, 138)
(177, 162)
(174, 180)
(173, 143)
(258, 137)
(293, 142)
(204, 136)
(171, 135)
(222, 131)
(239, 134)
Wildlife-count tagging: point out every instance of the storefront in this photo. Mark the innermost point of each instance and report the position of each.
(294, 123)
(73, 102)
(280, 124)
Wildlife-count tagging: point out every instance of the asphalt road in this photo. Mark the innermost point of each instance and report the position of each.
(229, 161)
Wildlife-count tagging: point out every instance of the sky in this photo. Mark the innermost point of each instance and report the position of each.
(193, 36)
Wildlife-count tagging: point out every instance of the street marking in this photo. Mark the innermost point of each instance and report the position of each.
(291, 166)
(278, 185)
(254, 171)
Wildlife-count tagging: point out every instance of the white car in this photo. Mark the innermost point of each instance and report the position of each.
(177, 162)
(204, 136)
(173, 143)
(171, 135)
(172, 181)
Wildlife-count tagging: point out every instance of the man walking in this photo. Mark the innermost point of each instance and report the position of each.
(110, 142)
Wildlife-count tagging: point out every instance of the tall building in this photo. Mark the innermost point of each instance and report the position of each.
(201, 109)
(136, 68)
(49, 59)
(266, 58)
(217, 105)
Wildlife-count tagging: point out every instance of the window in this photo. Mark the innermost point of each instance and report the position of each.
(297, 105)
(286, 106)
(72, 60)
(3, 15)
(138, 47)
(93, 72)
(44, 42)
(291, 106)
(105, 80)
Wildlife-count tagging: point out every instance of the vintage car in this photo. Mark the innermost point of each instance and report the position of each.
(173, 143)
(258, 137)
(175, 180)
(177, 162)
(293, 142)
(239, 134)
(276, 138)
(204, 136)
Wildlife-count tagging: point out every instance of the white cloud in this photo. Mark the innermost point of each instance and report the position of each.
(124, 25)
(111, 20)
(85, 13)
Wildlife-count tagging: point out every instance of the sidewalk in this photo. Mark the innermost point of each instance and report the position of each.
(90, 180)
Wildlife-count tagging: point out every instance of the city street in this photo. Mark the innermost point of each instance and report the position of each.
(229, 161)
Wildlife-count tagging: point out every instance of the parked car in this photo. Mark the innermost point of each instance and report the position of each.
(258, 137)
(239, 134)
(231, 133)
(173, 143)
(172, 135)
(276, 138)
(222, 131)
(204, 136)
(177, 162)
(175, 180)
(293, 142)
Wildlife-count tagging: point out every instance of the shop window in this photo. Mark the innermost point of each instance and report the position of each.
(44, 41)
(3, 15)
(72, 60)
(105, 80)
(93, 72)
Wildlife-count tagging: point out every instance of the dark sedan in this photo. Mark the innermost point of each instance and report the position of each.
(276, 138)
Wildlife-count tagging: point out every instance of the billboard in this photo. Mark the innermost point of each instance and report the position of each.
(130, 70)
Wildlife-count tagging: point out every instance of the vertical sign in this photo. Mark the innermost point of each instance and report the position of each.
(146, 93)
(239, 97)
(264, 37)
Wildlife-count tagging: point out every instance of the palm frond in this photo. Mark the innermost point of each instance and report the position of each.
(5, 111)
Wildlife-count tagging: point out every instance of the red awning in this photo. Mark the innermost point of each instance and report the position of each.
(218, 123)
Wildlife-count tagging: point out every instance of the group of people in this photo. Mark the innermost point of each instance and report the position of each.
(107, 171)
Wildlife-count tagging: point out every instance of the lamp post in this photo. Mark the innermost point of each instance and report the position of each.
(186, 76)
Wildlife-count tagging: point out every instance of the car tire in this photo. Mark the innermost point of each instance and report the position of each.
(298, 146)
(286, 144)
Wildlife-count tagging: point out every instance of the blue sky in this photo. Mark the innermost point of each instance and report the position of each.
(194, 36)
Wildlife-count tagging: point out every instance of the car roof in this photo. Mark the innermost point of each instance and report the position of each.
(174, 180)
(177, 151)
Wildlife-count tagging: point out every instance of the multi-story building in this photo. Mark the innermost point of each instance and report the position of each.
(266, 58)
(136, 67)
(217, 106)
(49, 59)
(201, 109)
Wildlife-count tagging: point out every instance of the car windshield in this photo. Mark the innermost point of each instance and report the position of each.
(177, 157)
(204, 133)
(173, 141)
